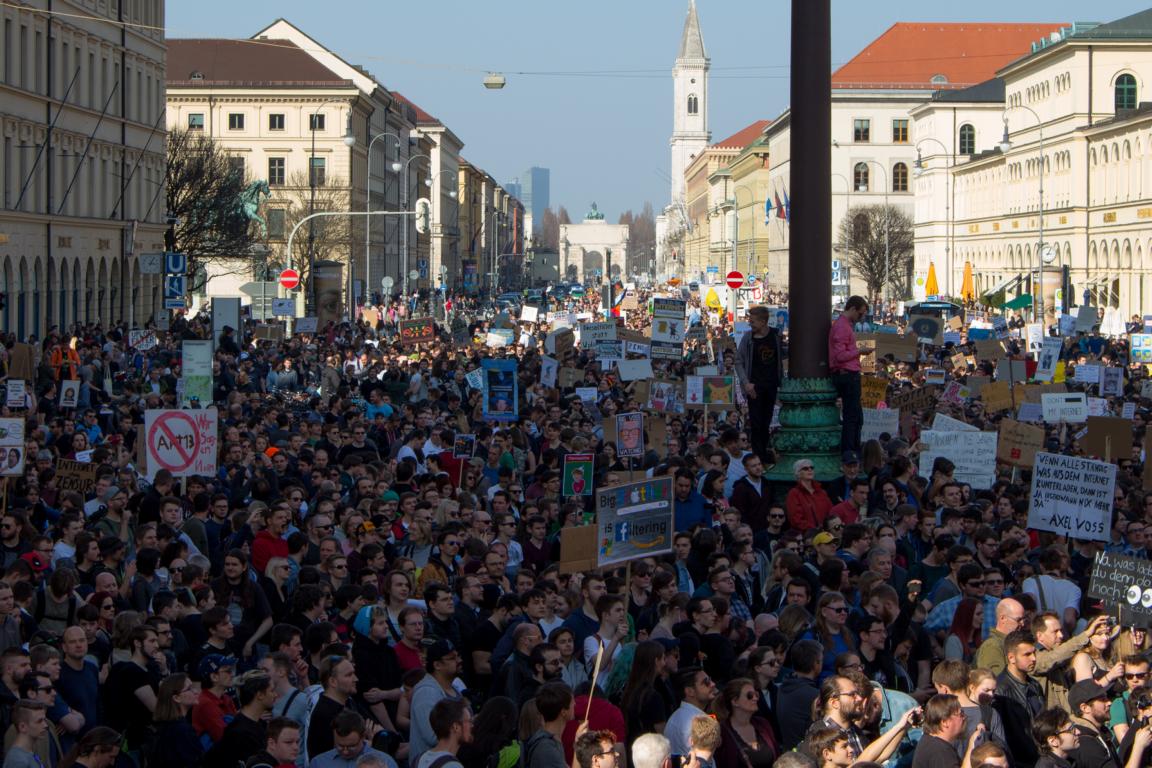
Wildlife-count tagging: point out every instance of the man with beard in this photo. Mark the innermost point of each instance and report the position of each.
(841, 701)
(546, 668)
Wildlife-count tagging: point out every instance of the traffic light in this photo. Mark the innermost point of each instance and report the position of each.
(423, 216)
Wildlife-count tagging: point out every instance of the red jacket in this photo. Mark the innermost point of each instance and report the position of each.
(807, 509)
(846, 511)
(265, 546)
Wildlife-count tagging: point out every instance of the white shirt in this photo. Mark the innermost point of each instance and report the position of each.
(735, 472)
(679, 727)
(1059, 594)
(592, 645)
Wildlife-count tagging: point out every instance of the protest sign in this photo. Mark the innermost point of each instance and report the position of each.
(1072, 496)
(630, 435)
(590, 333)
(997, 396)
(1086, 319)
(867, 350)
(17, 393)
(1000, 327)
(878, 421)
(475, 378)
(12, 450)
(935, 376)
(709, 390)
(955, 393)
(1011, 371)
(309, 324)
(1046, 363)
(529, 313)
(75, 476)
(1097, 406)
(666, 397)
(1128, 411)
(668, 328)
(578, 473)
(586, 394)
(1068, 406)
(609, 349)
(1112, 382)
(1030, 412)
(464, 447)
(903, 349)
(197, 373)
(928, 329)
(1034, 333)
(69, 394)
(873, 390)
(988, 350)
(976, 385)
(142, 340)
(915, 399)
(1141, 347)
(1125, 585)
(1088, 373)
(1018, 443)
(569, 377)
(498, 338)
(183, 442)
(577, 549)
(549, 367)
(421, 330)
(973, 453)
(501, 390)
(1108, 438)
(560, 342)
(634, 520)
(21, 362)
(942, 423)
(634, 370)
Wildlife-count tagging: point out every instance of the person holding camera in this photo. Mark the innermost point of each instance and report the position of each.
(944, 724)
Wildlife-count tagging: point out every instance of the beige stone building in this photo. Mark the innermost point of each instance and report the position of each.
(81, 199)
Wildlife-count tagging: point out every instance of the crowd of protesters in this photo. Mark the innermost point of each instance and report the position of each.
(347, 590)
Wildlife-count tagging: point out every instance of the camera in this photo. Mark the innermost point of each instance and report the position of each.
(1111, 621)
(916, 719)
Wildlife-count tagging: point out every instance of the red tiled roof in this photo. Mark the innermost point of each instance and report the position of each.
(421, 115)
(244, 61)
(744, 136)
(910, 54)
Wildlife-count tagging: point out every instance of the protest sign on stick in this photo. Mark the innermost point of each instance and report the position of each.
(1072, 496)
(1125, 585)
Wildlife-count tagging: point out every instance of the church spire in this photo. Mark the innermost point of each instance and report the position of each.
(691, 42)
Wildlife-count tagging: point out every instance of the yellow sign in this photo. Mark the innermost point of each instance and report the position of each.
(712, 300)
(1109, 217)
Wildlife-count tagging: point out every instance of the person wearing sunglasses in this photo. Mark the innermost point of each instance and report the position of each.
(830, 629)
(1057, 737)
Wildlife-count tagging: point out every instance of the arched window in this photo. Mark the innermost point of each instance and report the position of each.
(900, 177)
(693, 104)
(860, 177)
(967, 139)
(1125, 92)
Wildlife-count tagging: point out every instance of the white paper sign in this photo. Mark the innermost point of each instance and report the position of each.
(16, 393)
(1064, 406)
(183, 442)
(1112, 382)
(306, 325)
(549, 368)
(528, 314)
(1011, 371)
(1035, 335)
(634, 370)
(942, 423)
(1030, 412)
(1072, 496)
(1067, 325)
(973, 453)
(590, 333)
(69, 394)
(877, 421)
(1128, 411)
(1087, 374)
(475, 378)
(586, 394)
(1097, 406)
(1046, 362)
(1086, 319)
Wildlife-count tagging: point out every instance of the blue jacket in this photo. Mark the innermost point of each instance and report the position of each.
(692, 511)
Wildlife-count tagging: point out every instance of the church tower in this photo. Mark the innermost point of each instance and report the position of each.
(690, 134)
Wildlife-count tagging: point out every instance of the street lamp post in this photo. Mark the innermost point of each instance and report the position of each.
(404, 256)
(1005, 145)
(887, 221)
(395, 166)
(452, 193)
(349, 141)
(918, 170)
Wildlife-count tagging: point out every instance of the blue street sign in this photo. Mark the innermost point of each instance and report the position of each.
(175, 287)
(175, 263)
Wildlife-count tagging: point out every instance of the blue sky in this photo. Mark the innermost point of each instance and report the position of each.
(594, 101)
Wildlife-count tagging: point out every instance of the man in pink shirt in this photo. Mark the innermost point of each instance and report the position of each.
(844, 366)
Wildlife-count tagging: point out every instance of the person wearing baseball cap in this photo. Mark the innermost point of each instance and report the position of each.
(825, 544)
(1089, 704)
(215, 708)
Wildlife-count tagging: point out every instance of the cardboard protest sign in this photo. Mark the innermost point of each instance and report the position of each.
(915, 399)
(1011, 371)
(878, 421)
(569, 377)
(1072, 496)
(21, 362)
(560, 342)
(903, 349)
(1030, 412)
(1125, 585)
(988, 350)
(1019, 443)
(1109, 438)
(75, 476)
(666, 396)
(577, 476)
(997, 396)
(867, 349)
(634, 520)
(973, 453)
(873, 390)
(421, 330)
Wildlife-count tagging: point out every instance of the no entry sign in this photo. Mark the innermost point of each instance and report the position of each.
(290, 279)
(182, 442)
(735, 280)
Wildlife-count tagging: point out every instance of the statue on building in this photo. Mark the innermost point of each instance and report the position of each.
(594, 214)
(249, 203)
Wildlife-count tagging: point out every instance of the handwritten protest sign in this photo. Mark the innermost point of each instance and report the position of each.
(1125, 585)
(1018, 443)
(1069, 406)
(75, 476)
(1072, 496)
(878, 421)
(915, 399)
(872, 391)
(973, 453)
(942, 423)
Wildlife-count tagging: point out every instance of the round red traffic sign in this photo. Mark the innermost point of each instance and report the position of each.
(735, 280)
(290, 279)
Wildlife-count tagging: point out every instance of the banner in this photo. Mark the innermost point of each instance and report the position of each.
(422, 330)
(634, 520)
(1018, 443)
(578, 474)
(973, 453)
(501, 391)
(630, 435)
(1072, 496)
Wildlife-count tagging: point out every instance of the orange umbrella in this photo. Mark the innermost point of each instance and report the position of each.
(967, 286)
(931, 287)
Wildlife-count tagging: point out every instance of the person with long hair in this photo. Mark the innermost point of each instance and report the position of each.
(712, 489)
(746, 738)
(396, 587)
(1132, 641)
(175, 743)
(671, 613)
(964, 635)
(274, 583)
(764, 665)
(245, 602)
(494, 732)
(98, 748)
(645, 710)
(830, 629)
(572, 670)
(1094, 661)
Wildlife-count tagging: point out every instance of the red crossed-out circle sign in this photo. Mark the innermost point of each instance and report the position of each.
(173, 441)
(735, 280)
(290, 278)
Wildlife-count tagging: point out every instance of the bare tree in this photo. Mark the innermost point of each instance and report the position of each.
(550, 231)
(641, 237)
(563, 216)
(861, 238)
(203, 188)
(332, 234)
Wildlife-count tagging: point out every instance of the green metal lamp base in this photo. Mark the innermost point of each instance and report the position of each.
(809, 429)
